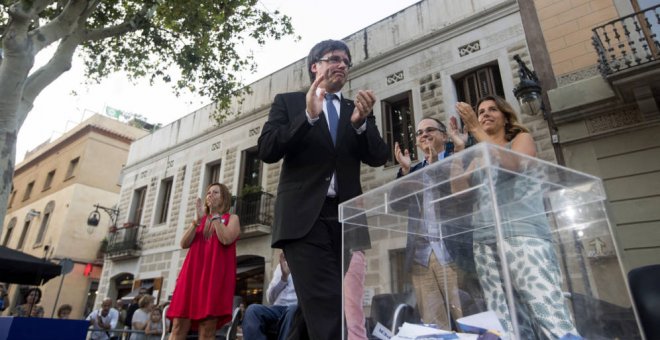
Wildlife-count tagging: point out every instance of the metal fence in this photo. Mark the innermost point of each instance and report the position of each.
(628, 41)
(255, 208)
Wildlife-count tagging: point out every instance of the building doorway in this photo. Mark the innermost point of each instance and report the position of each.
(250, 279)
(123, 284)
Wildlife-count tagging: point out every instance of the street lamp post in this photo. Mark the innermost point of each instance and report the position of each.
(530, 97)
(95, 217)
(528, 91)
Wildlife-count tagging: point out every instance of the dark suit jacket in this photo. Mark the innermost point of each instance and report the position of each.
(459, 247)
(310, 159)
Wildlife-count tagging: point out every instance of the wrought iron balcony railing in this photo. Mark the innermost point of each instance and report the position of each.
(629, 41)
(124, 242)
(255, 208)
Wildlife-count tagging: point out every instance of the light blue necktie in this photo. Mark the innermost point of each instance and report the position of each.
(333, 116)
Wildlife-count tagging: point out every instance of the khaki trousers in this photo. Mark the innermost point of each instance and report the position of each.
(433, 286)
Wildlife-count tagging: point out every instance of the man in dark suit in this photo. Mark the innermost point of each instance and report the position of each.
(322, 137)
(431, 261)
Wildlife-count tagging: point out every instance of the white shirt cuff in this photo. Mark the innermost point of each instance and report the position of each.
(362, 128)
(311, 120)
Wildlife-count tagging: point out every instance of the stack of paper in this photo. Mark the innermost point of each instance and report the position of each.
(480, 323)
(419, 332)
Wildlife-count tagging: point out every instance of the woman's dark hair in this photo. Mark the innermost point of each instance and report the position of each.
(38, 294)
(64, 308)
(225, 198)
(512, 127)
(319, 50)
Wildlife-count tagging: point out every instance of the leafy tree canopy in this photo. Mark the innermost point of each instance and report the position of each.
(198, 40)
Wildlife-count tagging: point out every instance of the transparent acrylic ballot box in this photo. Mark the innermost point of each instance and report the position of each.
(487, 239)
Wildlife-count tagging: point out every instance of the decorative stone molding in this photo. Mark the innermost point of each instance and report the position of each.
(585, 73)
(613, 120)
(469, 48)
(395, 78)
(254, 131)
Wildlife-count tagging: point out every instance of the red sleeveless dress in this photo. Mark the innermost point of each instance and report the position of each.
(206, 283)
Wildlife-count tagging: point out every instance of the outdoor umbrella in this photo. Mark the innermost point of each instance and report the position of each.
(21, 268)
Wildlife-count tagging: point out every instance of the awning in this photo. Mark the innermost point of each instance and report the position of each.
(134, 293)
(19, 267)
(241, 270)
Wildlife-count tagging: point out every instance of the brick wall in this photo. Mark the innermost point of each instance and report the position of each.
(149, 201)
(193, 192)
(567, 25)
(177, 201)
(430, 90)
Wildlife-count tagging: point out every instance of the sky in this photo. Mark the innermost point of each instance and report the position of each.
(57, 110)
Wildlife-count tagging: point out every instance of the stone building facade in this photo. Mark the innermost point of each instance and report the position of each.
(419, 62)
(605, 104)
(55, 188)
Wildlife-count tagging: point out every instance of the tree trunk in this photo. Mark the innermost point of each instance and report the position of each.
(18, 94)
(7, 160)
(18, 59)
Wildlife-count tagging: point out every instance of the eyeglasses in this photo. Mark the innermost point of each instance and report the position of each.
(335, 60)
(428, 130)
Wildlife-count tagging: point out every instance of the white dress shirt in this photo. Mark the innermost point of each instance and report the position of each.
(111, 318)
(281, 293)
(312, 121)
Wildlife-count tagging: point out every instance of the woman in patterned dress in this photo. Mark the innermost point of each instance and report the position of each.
(535, 276)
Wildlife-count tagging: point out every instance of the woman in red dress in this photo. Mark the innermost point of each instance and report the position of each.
(204, 291)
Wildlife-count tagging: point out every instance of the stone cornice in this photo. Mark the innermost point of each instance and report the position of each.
(436, 37)
(200, 138)
(372, 64)
(61, 144)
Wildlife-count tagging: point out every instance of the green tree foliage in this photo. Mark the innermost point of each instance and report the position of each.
(190, 44)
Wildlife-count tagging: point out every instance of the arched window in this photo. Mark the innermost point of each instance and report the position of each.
(48, 211)
(10, 229)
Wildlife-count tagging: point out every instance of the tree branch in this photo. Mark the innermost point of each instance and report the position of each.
(108, 32)
(91, 6)
(27, 10)
(45, 75)
(136, 22)
(59, 27)
(37, 6)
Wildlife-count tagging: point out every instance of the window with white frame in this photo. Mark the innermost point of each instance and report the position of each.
(11, 198)
(164, 197)
(212, 173)
(9, 232)
(73, 165)
(28, 191)
(250, 179)
(137, 205)
(49, 180)
(26, 228)
(476, 83)
(399, 125)
(45, 220)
